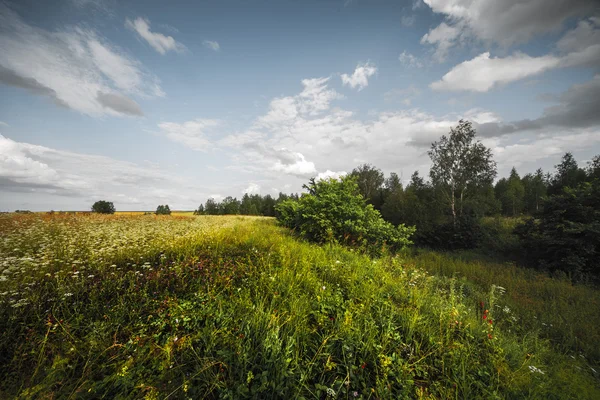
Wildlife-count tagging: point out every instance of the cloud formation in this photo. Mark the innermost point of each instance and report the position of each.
(191, 133)
(505, 22)
(360, 78)
(483, 73)
(579, 47)
(57, 176)
(408, 60)
(70, 67)
(161, 43)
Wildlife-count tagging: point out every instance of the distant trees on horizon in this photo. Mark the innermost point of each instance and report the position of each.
(103, 207)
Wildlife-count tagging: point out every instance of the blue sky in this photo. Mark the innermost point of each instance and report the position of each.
(152, 102)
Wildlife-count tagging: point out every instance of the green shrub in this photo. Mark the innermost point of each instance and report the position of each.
(334, 211)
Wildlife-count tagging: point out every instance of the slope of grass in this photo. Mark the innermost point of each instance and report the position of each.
(231, 307)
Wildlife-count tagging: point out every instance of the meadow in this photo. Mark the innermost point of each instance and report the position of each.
(155, 307)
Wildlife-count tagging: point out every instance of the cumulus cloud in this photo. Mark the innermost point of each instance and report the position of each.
(360, 78)
(211, 45)
(578, 47)
(70, 67)
(298, 166)
(161, 43)
(191, 133)
(330, 174)
(506, 22)
(252, 188)
(443, 37)
(315, 98)
(483, 72)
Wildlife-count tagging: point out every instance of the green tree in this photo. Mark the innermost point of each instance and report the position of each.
(460, 162)
(568, 174)
(535, 189)
(200, 210)
(163, 210)
(103, 207)
(230, 206)
(268, 206)
(212, 207)
(511, 193)
(593, 170)
(566, 233)
(245, 204)
(370, 180)
(334, 211)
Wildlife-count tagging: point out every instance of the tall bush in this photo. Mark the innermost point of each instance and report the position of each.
(334, 211)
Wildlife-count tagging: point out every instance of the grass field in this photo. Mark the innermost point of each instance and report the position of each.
(140, 306)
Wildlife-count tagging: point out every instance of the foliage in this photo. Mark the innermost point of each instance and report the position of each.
(565, 235)
(334, 211)
(458, 162)
(511, 193)
(535, 190)
(163, 210)
(465, 233)
(103, 207)
(568, 174)
(370, 180)
(229, 206)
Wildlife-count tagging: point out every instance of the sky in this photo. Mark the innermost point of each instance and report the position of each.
(147, 102)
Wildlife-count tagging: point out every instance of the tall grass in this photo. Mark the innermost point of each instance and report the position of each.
(231, 307)
(566, 314)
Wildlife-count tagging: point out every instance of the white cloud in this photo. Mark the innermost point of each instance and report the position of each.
(252, 188)
(360, 78)
(2, 123)
(444, 36)
(578, 47)
(52, 177)
(314, 99)
(408, 60)
(161, 43)
(330, 174)
(71, 67)
(483, 73)
(211, 45)
(191, 133)
(505, 22)
(300, 166)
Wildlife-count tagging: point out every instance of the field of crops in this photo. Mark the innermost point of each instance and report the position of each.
(142, 306)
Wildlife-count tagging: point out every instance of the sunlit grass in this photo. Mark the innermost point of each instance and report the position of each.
(145, 306)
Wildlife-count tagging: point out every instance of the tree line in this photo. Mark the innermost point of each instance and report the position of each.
(254, 204)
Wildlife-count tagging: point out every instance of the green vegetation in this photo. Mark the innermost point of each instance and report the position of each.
(334, 211)
(163, 210)
(103, 207)
(230, 307)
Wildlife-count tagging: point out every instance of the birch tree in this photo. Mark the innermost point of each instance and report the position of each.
(460, 162)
